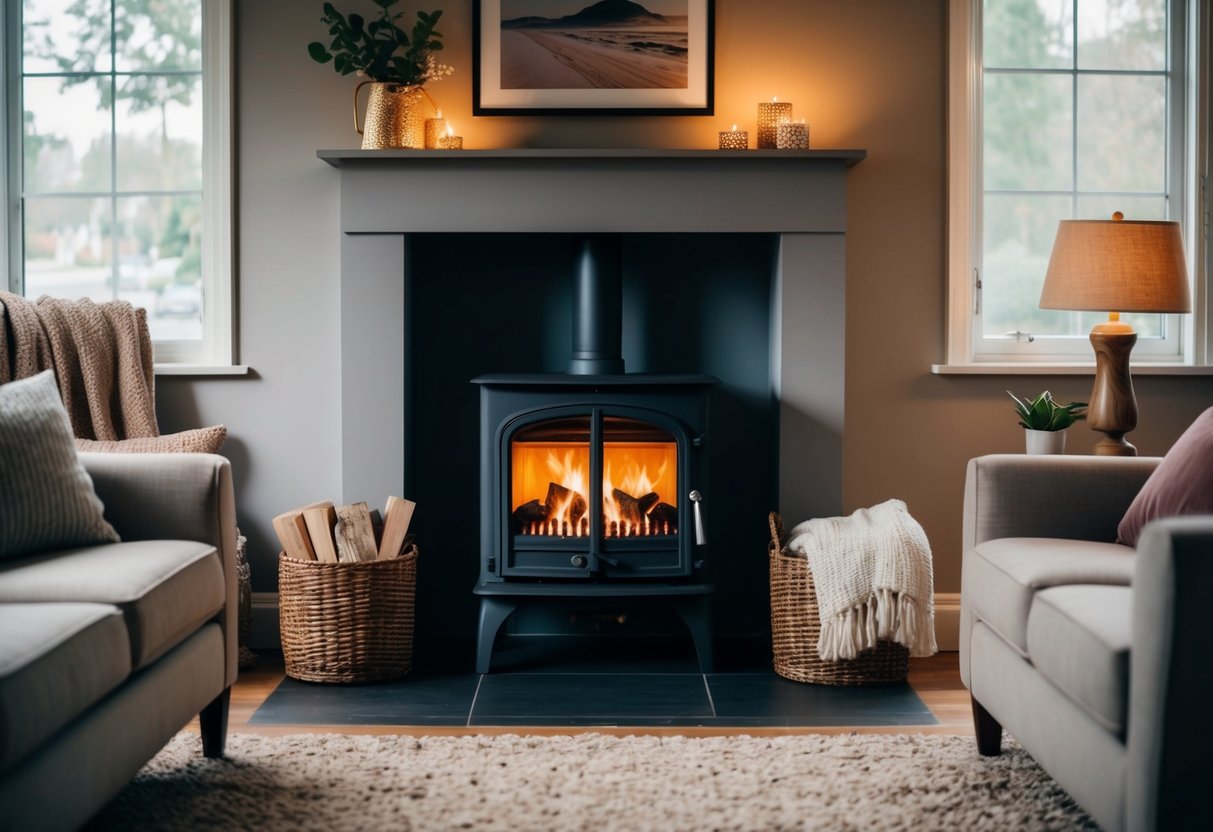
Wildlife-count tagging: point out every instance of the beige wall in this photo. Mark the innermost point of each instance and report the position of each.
(866, 74)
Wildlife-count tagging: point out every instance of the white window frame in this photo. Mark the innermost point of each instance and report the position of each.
(965, 348)
(215, 352)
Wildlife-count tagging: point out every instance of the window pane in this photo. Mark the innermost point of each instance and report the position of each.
(160, 262)
(1122, 34)
(66, 136)
(1019, 232)
(55, 41)
(67, 248)
(159, 123)
(1028, 130)
(1122, 133)
(1092, 207)
(1027, 34)
(165, 35)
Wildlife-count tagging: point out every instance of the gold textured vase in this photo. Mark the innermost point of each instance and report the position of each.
(395, 116)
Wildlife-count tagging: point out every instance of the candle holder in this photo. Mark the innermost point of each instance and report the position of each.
(770, 115)
(451, 143)
(792, 135)
(734, 139)
(435, 131)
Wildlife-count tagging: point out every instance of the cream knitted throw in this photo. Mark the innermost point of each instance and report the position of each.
(872, 571)
(101, 354)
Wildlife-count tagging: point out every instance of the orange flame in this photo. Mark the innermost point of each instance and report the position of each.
(643, 468)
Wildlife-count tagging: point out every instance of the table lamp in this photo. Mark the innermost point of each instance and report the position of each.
(1116, 266)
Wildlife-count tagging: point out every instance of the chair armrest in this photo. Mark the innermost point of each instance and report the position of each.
(1075, 497)
(170, 496)
(1170, 677)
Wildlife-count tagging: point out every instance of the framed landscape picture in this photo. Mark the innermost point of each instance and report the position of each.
(582, 57)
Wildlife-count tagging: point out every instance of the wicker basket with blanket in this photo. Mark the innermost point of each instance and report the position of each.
(796, 628)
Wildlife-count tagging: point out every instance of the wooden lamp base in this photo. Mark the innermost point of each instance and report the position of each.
(1113, 407)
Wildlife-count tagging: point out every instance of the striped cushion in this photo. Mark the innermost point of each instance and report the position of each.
(46, 497)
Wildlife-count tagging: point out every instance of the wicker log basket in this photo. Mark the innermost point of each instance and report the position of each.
(347, 622)
(795, 625)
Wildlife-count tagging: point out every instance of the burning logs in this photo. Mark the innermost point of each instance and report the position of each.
(565, 504)
(564, 513)
(633, 509)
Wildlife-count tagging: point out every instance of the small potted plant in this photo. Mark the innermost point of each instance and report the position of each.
(397, 63)
(1045, 421)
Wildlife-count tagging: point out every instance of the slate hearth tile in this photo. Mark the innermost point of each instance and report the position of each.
(591, 699)
(557, 654)
(770, 697)
(420, 700)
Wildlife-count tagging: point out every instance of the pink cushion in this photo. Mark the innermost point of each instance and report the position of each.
(1181, 484)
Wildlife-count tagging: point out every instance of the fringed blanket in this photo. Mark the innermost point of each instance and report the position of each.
(101, 354)
(873, 576)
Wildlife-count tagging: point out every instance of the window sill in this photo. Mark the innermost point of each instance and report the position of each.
(1060, 369)
(201, 370)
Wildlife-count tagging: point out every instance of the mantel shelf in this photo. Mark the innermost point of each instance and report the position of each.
(361, 158)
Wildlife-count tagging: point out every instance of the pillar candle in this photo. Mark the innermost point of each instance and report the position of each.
(734, 139)
(435, 130)
(792, 135)
(770, 115)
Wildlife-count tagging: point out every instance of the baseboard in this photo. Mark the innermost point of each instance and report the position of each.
(947, 620)
(265, 634)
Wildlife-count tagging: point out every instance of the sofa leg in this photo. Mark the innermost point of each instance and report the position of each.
(989, 732)
(213, 721)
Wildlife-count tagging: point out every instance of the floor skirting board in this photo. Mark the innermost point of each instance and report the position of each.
(265, 621)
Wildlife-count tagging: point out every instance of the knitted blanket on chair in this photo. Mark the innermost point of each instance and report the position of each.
(101, 354)
(873, 577)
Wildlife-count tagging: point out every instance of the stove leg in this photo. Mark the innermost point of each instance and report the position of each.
(493, 613)
(696, 614)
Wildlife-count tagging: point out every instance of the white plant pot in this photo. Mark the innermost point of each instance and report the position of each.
(1046, 441)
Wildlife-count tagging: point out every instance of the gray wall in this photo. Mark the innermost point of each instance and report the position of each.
(867, 74)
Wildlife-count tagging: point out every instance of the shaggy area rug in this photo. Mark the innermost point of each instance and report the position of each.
(591, 782)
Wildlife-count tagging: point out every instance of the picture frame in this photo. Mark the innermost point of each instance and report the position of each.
(555, 57)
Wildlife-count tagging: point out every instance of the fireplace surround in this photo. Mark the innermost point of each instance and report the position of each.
(396, 204)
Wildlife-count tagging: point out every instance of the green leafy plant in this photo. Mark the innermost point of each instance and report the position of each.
(381, 50)
(1043, 413)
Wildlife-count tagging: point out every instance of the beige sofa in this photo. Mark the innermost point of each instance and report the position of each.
(107, 651)
(1096, 657)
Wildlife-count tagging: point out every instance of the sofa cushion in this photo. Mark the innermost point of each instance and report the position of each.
(1079, 638)
(195, 441)
(55, 661)
(1001, 576)
(1181, 484)
(46, 496)
(165, 588)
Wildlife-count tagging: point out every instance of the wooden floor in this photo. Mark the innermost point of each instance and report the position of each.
(936, 680)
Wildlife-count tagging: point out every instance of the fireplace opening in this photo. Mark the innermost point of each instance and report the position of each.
(552, 467)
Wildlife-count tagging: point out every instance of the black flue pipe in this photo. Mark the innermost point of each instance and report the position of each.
(598, 306)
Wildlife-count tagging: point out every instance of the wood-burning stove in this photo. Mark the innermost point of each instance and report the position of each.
(592, 481)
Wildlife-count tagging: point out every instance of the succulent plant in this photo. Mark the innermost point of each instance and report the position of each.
(1043, 413)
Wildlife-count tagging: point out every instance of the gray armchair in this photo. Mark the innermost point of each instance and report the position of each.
(1096, 657)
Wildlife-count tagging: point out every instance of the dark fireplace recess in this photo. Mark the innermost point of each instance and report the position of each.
(593, 482)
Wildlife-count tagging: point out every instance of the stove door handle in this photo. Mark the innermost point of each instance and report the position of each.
(696, 499)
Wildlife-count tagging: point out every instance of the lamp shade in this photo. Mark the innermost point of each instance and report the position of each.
(1117, 266)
